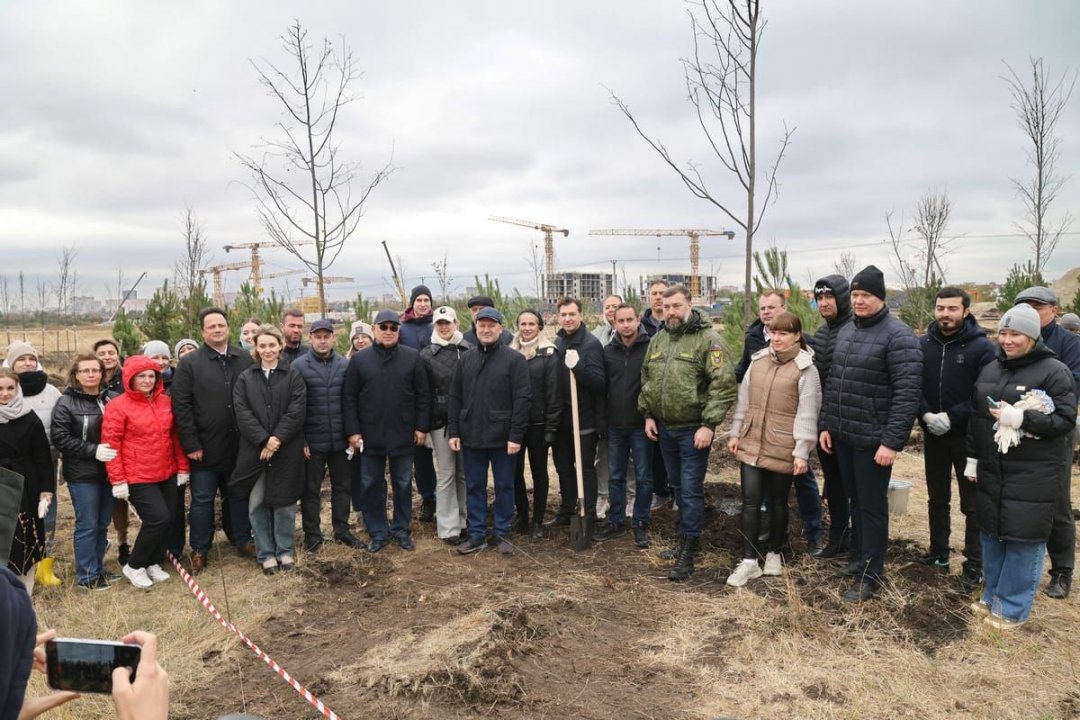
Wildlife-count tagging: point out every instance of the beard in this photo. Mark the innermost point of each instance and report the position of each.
(674, 322)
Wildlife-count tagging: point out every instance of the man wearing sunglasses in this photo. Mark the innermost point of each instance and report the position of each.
(386, 399)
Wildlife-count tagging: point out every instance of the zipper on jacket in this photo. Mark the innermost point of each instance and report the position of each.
(85, 426)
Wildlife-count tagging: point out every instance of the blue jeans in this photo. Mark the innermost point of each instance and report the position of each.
(204, 486)
(274, 528)
(1012, 570)
(624, 443)
(867, 486)
(374, 494)
(93, 503)
(685, 466)
(476, 461)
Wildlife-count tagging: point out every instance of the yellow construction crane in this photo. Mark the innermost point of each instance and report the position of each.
(216, 271)
(256, 261)
(695, 247)
(549, 247)
(311, 304)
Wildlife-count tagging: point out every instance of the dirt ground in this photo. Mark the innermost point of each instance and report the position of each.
(601, 634)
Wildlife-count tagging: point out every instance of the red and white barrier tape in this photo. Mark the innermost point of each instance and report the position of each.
(204, 600)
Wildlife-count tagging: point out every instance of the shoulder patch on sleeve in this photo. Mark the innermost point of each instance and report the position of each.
(716, 355)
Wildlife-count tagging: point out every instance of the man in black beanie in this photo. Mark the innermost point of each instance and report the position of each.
(869, 404)
(416, 327)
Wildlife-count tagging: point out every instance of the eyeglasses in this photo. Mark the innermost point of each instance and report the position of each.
(89, 371)
(388, 327)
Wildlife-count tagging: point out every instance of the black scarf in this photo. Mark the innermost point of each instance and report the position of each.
(33, 382)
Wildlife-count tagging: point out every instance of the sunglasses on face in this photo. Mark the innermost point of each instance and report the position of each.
(388, 327)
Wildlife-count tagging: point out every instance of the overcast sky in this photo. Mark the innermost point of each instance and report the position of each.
(118, 114)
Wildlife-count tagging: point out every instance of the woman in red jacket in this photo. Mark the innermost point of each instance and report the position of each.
(149, 464)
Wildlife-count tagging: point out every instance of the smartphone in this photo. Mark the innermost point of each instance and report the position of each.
(992, 402)
(86, 666)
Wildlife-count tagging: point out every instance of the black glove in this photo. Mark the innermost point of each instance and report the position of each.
(549, 437)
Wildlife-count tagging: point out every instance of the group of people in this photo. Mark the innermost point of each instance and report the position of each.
(629, 410)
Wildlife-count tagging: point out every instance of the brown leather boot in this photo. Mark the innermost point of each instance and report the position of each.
(247, 550)
(198, 562)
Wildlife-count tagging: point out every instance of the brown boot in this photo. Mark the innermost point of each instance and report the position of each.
(247, 550)
(198, 562)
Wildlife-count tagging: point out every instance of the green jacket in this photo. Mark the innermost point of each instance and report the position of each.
(687, 379)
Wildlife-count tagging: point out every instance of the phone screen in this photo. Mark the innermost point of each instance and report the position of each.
(87, 665)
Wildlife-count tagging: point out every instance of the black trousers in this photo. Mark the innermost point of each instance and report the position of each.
(564, 465)
(155, 503)
(943, 456)
(1062, 543)
(178, 531)
(835, 498)
(757, 483)
(340, 492)
(537, 450)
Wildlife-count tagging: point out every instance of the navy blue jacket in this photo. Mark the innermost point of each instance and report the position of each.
(650, 324)
(1066, 346)
(324, 424)
(874, 385)
(1018, 491)
(590, 376)
(951, 365)
(623, 366)
(387, 398)
(416, 332)
(753, 340)
(490, 397)
(18, 629)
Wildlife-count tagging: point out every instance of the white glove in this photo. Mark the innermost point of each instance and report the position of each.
(571, 359)
(1011, 416)
(182, 478)
(969, 469)
(104, 453)
(43, 505)
(937, 423)
(120, 491)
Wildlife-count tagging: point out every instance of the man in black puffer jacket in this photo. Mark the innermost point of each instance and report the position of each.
(488, 416)
(954, 349)
(323, 371)
(868, 409)
(834, 305)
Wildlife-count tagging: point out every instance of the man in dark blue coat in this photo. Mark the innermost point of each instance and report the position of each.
(487, 418)
(323, 371)
(954, 349)
(868, 409)
(1061, 547)
(387, 402)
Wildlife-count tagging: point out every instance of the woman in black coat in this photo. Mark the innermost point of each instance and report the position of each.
(545, 411)
(24, 449)
(270, 399)
(76, 433)
(1018, 449)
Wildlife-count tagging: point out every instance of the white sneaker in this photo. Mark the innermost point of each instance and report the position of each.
(657, 503)
(602, 506)
(138, 578)
(744, 572)
(157, 574)
(774, 565)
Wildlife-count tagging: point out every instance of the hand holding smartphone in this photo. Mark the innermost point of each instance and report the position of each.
(992, 402)
(86, 666)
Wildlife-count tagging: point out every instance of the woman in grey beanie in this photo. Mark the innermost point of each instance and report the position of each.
(183, 347)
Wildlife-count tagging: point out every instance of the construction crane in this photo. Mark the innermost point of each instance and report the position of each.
(256, 261)
(549, 247)
(216, 271)
(695, 247)
(397, 278)
(311, 304)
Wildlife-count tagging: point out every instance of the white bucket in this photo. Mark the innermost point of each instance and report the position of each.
(899, 491)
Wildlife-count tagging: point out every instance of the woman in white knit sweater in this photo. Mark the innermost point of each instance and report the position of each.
(772, 435)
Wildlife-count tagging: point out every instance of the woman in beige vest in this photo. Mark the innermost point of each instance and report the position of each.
(772, 435)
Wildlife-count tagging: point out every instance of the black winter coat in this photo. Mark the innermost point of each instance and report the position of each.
(623, 365)
(591, 378)
(650, 324)
(76, 433)
(874, 384)
(294, 353)
(753, 340)
(823, 342)
(271, 406)
(387, 398)
(324, 424)
(951, 365)
(24, 449)
(1018, 491)
(545, 408)
(489, 397)
(441, 361)
(202, 400)
(1066, 346)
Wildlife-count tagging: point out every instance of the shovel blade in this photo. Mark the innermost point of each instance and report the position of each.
(580, 532)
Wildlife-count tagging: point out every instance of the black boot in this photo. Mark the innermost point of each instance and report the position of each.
(684, 563)
(672, 553)
(1059, 585)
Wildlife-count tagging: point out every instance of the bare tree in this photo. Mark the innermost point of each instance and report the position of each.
(847, 265)
(442, 274)
(921, 268)
(189, 270)
(5, 295)
(932, 215)
(66, 279)
(535, 259)
(42, 294)
(22, 297)
(721, 79)
(313, 211)
(1038, 108)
